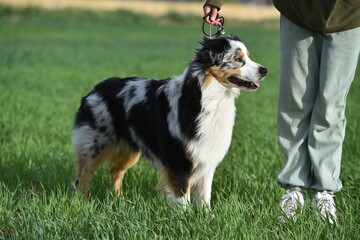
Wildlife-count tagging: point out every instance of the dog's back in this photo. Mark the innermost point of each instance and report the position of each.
(121, 110)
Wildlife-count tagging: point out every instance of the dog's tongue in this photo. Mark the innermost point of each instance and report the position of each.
(257, 84)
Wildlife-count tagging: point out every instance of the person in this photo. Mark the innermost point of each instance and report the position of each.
(320, 47)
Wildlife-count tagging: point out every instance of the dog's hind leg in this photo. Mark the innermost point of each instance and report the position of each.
(87, 165)
(124, 159)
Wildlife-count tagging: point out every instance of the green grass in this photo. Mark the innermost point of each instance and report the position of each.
(49, 60)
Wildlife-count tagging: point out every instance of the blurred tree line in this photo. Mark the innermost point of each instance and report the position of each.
(248, 2)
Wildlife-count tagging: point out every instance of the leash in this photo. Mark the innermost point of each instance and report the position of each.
(220, 30)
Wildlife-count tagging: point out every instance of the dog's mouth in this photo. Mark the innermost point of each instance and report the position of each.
(244, 84)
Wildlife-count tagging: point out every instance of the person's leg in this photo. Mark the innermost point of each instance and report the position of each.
(339, 59)
(300, 61)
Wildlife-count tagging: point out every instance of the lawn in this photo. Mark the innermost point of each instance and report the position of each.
(50, 59)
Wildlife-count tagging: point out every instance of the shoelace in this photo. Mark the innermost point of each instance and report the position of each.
(326, 202)
(326, 205)
(290, 202)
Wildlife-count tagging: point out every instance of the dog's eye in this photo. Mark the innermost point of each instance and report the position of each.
(239, 60)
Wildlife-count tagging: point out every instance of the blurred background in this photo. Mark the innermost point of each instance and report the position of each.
(235, 9)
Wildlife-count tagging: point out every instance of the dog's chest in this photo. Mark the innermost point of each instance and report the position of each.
(214, 130)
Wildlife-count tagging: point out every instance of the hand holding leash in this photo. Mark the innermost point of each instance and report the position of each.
(219, 21)
(211, 15)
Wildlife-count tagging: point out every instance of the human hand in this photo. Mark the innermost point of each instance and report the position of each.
(211, 15)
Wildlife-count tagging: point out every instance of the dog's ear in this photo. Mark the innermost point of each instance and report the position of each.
(213, 50)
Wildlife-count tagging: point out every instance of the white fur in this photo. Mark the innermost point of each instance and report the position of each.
(99, 109)
(202, 189)
(216, 122)
(173, 94)
(83, 137)
(250, 70)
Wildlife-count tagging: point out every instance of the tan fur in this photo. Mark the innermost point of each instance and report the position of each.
(121, 158)
(166, 186)
(240, 54)
(222, 75)
(86, 167)
(207, 79)
(120, 163)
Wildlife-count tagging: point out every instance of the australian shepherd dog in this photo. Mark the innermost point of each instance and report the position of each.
(183, 124)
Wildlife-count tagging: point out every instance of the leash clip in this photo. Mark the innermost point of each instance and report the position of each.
(220, 30)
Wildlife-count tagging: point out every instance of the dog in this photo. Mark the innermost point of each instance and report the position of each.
(183, 124)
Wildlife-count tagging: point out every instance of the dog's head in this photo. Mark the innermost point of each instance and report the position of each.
(227, 60)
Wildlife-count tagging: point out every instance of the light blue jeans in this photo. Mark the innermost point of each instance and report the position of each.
(316, 73)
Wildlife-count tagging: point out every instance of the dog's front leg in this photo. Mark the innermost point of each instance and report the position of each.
(202, 190)
(176, 187)
(183, 202)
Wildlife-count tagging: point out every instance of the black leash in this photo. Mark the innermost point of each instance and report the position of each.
(220, 30)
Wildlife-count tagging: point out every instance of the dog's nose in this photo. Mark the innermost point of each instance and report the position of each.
(262, 71)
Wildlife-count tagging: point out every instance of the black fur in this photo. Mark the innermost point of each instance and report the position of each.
(212, 51)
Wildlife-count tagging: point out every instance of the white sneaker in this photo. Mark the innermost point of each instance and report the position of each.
(324, 203)
(290, 203)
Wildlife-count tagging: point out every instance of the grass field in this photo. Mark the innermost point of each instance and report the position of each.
(50, 59)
